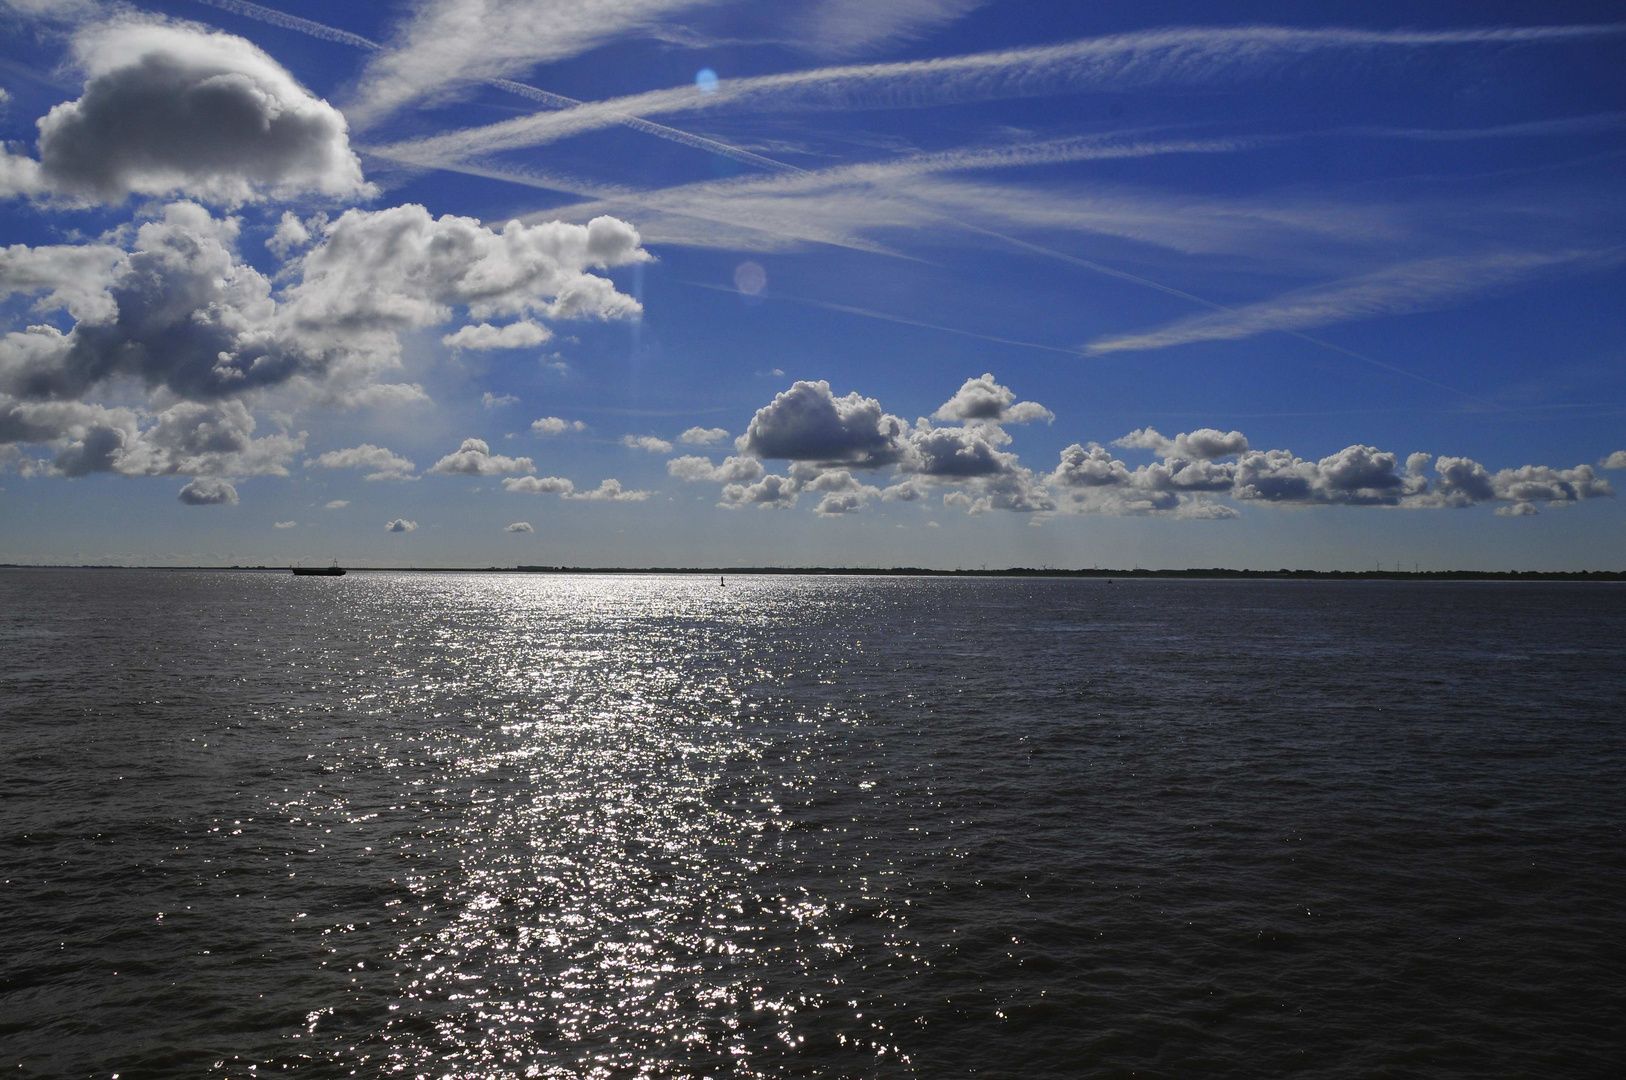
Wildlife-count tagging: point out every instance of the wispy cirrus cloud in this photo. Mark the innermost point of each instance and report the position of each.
(841, 27)
(445, 44)
(854, 205)
(1121, 61)
(1408, 287)
(324, 32)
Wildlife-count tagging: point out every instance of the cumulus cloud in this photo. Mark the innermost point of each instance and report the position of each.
(538, 485)
(1617, 460)
(983, 399)
(1518, 509)
(488, 400)
(474, 458)
(733, 470)
(285, 525)
(828, 440)
(1532, 483)
(841, 492)
(484, 336)
(809, 423)
(187, 439)
(959, 452)
(825, 438)
(182, 314)
(63, 278)
(699, 436)
(144, 324)
(337, 504)
(646, 442)
(519, 527)
(1204, 444)
(208, 491)
(290, 235)
(552, 425)
(1355, 476)
(1093, 481)
(170, 109)
(331, 335)
(385, 463)
(401, 525)
(771, 492)
(609, 491)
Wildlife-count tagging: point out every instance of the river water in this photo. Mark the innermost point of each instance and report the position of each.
(504, 825)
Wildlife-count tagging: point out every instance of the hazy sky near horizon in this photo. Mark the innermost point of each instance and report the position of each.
(928, 282)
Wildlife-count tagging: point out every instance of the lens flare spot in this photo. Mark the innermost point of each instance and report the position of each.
(706, 79)
(750, 278)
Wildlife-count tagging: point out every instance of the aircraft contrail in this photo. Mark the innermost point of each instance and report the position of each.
(274, 17)
(661, 131)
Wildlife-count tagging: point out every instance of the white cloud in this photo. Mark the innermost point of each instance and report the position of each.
(862, 206)
(143, 324)
(609, 491)
(385, 463)
(447, 44)
(699, 436)
(1355, 476)
(474, 458)
(1204, 444)
(842, 492)
(64, 278)
(1186, 481)
(488, 400)
(552, 425)
(403, 268)
(1518, 509)
(286, 525)
(959, 452)
(187, 439)
(338, 504)
(1123, 61)
(169, 108)
(1409, 287)
(401, 525)
(838, 27)
(770, 493)
(516, 335)
(519, 527)
(646, 442)
(1617, 460)
(733, 470)
(538, 485)
(1531, 483)
(208, 491)
(289, 236)
(826, 439)
(809, 423)
(332, 334)
(983, 399)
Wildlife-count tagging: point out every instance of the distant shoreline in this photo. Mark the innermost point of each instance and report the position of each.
(1210, 573)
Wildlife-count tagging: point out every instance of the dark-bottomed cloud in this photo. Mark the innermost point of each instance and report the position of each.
(170, 109)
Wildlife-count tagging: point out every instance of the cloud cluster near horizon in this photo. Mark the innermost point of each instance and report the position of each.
(847, 452)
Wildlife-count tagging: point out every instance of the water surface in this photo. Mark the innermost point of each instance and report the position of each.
(494, 825)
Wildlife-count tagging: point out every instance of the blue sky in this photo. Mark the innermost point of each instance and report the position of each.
(930, 282)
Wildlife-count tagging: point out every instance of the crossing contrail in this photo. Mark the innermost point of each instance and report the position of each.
(261, 13)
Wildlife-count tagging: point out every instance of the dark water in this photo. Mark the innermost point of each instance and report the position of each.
(513, 826)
